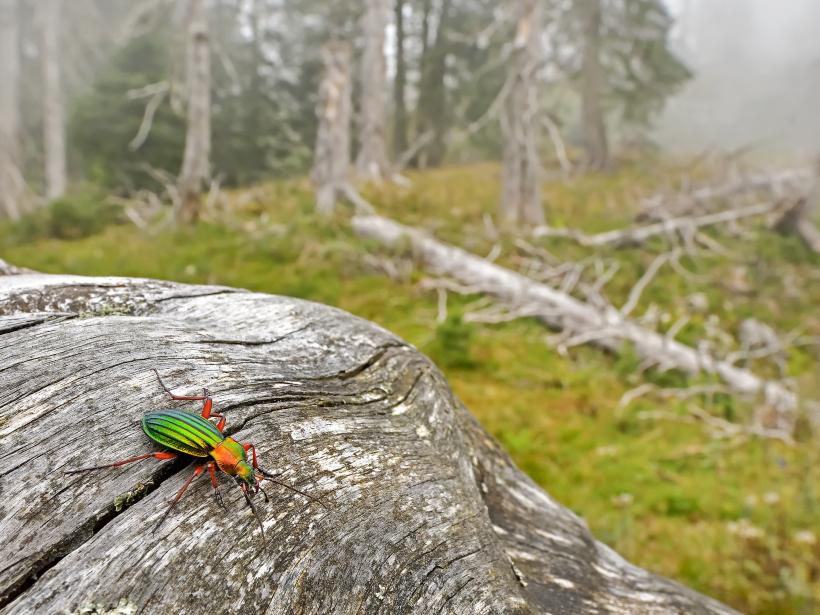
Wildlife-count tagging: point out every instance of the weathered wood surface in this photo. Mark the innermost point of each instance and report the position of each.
(426, 514)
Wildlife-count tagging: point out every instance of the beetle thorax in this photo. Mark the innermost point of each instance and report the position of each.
(228, 455)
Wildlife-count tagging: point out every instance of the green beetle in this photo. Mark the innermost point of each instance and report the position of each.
(193, 434)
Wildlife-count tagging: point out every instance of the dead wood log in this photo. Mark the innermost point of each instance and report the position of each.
(603, 326)
(664, 206)
(425, 512)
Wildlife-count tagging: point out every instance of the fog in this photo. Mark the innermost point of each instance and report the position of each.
(757, 76)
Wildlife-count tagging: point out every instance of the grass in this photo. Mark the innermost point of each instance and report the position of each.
(737, 520)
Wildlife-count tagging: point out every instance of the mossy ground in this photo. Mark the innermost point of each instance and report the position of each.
(738, 520)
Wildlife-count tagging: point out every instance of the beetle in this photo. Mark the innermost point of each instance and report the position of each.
(195, 435)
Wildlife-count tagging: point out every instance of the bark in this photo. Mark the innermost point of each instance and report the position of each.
(605, 327)
(802, 218)
(11, 177)
(521, 190)
(371, 162)
(592, 88)
(331, 162)
(426, 514)
(197, 159)
(53, 111)
(400, 86)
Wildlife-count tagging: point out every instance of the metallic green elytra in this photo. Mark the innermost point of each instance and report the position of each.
(186, 432)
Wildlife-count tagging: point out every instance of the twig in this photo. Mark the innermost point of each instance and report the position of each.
(640, 286)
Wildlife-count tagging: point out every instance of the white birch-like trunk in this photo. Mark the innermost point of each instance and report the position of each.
(196, 163)
(521, 192)
(332, 155)
(371, 162)
(11, 177)
(53, 111)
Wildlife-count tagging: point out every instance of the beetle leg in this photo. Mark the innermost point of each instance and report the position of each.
(207, 411)
(197, 471)
(205, 398)
(180, 397)
(215, 484)
(116, 464)
(250, 447)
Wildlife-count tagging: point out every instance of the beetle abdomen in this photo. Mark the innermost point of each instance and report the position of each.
(182, 431)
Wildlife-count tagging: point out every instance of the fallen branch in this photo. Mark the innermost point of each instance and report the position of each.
(156, 93)
(656, 207)
(605, 327)
(639, 234)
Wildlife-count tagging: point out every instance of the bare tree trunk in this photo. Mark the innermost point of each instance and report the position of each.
(592, 88)
(53, 112)
(371, 162)
(332, 155)
(802, 218)
(11, 177)
(521, 191)
(196, 163)
(400, 85)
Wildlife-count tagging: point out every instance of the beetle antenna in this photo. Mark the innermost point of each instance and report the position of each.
(255, 512)
(271, 477)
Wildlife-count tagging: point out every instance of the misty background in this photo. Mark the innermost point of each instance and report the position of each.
(756, 81)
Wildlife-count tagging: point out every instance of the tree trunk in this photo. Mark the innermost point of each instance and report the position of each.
(11, 177)
(521, 190)
(371, 162)
(197, 160)
(425, 513)
(802, 218)
(592, 88)
(331, 162)
(53, 113)
(432, 116)
(400, 86)
(605, 327)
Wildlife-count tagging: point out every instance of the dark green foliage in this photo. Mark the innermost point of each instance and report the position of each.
(82, 212)
(104, 121)
(640, 67)
(258, 122)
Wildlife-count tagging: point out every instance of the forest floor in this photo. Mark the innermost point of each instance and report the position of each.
(735, 518)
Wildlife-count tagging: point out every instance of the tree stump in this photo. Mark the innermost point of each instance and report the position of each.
(425, 513)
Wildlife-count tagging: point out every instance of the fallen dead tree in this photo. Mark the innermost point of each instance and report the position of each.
(425, 512)
(664, 206)
(670, 227)
(581, 322)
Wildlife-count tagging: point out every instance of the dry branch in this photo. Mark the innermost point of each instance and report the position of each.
(581, 322)
(427, 514)
(672, 227)
(663, 206)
